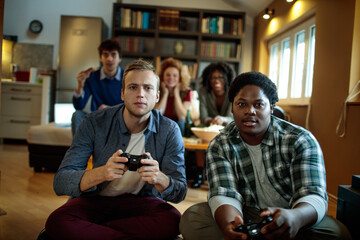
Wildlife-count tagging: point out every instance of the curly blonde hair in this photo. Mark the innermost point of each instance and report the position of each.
(183, 72)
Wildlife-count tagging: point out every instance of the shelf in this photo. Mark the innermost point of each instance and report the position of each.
(182, 34)
(219, 59)
(180, 57)
(135, 31)
(203, 36)
(224, 37)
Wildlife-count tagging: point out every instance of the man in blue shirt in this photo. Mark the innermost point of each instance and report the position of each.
(103, 85)
(109, 201)
(260, 165)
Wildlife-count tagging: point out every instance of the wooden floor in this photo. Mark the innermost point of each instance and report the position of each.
(28, 197)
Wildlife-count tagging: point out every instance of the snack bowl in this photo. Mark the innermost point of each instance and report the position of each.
(206, 134)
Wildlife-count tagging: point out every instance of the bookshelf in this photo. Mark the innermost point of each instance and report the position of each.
(197, 37)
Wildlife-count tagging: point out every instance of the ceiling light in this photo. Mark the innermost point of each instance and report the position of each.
(268, 13)
(289, 0)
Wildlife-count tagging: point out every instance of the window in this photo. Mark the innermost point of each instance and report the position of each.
(292, 62)
(309, 76)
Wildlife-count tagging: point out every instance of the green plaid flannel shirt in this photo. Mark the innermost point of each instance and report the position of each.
(292, 158)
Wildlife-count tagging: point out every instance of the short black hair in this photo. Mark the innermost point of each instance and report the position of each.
(254, 78)
(109, 45)
(221, 67)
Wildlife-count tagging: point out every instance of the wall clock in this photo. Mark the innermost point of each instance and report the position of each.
(35, 26)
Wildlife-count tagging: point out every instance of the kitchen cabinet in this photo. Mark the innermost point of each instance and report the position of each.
(23, 105)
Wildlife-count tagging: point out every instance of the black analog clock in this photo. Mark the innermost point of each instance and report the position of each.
(35, 26)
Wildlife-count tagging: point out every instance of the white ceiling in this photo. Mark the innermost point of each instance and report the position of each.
(251, 7)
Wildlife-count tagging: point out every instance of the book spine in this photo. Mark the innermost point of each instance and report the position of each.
(240, 26)
(220, 25)
(145, 20)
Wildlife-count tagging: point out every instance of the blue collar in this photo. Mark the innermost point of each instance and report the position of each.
(104, 76)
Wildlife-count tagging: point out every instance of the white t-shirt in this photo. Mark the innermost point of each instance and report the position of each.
(131, 181)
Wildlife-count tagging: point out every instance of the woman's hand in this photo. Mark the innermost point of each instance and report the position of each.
(164, 88)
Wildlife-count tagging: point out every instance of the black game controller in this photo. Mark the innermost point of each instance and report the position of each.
(133, 162)
(253, 229)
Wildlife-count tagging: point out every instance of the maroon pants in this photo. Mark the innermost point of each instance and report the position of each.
(122, 217)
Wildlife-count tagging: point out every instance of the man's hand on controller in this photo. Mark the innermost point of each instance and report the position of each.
(150, 173)
(284, 225)
(115, 166)
(229, 231)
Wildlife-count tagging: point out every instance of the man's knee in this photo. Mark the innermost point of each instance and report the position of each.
(328, 228)
(197, 223)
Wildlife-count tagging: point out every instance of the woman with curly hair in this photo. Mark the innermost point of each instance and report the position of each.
(175, 94)
(214, 104)
(215, 107)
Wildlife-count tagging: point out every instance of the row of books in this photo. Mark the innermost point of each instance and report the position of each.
(217, 49)
(128, 18)
(169, 20)
(208, 49)
(222, 25)
(132, 44)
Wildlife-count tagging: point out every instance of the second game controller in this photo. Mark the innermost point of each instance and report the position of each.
(253, 229)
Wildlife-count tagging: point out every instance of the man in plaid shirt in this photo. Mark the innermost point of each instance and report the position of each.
(260, 165)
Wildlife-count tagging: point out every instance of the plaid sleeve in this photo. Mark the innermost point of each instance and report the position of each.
(221, 177)
(308, 169)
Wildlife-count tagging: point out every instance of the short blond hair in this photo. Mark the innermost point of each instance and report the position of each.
(141, 65)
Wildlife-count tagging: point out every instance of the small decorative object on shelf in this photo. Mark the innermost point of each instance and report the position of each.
(178, 47)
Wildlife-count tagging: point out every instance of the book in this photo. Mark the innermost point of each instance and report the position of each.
(162, 19)
(152, 20)
(205, 25)
(238, 51)
(240, 26)
(226, 25)
(174, 21)
(194, 71)
(145, 20)
(213, 25)
(220, 25)
(138, 19)
(117, 17)
(127, 18)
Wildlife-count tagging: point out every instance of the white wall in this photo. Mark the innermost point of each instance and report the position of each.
(19, 13)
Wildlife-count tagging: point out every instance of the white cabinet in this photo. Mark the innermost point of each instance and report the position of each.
(23, 105)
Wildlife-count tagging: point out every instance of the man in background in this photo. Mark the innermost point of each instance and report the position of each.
(103, 85)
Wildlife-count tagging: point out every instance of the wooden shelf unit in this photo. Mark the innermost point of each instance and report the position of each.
(206, 36)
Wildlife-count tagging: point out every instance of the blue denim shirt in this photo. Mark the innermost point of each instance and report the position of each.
(103, 132)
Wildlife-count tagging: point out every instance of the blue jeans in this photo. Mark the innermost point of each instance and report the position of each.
(76, 119)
